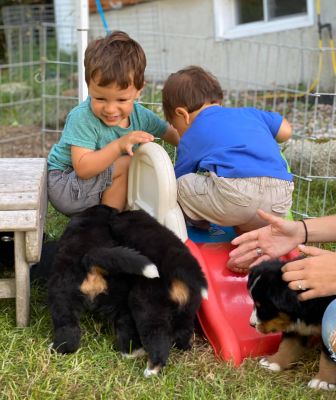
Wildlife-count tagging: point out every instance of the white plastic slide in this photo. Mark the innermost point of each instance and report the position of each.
(152, 187)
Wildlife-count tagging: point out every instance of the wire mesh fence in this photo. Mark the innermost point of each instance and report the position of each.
(38, 87)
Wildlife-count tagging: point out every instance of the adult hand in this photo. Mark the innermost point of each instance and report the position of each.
(127, 142)
(315, 273)
(274, 240)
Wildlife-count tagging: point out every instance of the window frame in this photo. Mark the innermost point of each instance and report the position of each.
(226, 27)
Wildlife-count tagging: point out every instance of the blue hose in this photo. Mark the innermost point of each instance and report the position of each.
(102, 16)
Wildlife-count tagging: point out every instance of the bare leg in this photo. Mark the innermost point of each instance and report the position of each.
(116, 194)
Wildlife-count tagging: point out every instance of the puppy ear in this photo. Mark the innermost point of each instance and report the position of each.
(267, 278)
(286, 299)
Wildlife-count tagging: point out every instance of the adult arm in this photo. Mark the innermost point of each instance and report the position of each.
(280, 236)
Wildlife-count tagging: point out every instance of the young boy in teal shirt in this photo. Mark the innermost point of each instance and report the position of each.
(89, 165)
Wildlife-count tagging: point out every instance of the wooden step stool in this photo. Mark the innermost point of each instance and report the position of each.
(23, 205)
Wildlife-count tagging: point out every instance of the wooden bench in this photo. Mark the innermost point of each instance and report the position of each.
(23, 205)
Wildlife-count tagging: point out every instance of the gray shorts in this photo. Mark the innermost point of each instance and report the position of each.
(233, 202)
(70, 194)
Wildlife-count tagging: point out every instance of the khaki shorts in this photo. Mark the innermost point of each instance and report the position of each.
(70, 194)
(233, 202)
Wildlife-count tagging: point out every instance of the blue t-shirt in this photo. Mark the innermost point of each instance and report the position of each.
(232, 143)
(82, 128)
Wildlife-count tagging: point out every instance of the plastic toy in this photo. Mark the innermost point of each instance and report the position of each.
(224, 317)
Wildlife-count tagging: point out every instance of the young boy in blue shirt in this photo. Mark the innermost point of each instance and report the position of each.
(89, 165)
(235, 149)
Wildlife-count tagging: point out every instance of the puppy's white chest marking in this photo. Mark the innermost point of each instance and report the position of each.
(303, 329)
(253, 318)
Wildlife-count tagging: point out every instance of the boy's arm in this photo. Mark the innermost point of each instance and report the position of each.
(88, 163)
(171, 136)
(284, 132)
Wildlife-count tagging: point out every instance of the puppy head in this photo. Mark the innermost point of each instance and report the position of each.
(276, 306)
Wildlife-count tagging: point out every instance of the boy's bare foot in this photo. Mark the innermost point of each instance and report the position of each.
(200, 224)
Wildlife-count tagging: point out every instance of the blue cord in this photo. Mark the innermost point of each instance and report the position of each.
(102, 16)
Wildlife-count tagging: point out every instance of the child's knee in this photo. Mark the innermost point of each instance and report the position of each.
(121, 166)
(329, 329)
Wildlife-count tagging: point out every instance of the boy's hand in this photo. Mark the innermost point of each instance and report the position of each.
(127, 142)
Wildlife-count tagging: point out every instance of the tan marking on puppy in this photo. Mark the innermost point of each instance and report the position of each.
(179, 292)
(327, 370)
(279, 324)
(283, 323)
(94, 283)
(290, 351)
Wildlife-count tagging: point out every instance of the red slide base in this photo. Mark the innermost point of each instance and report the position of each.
(224, 317)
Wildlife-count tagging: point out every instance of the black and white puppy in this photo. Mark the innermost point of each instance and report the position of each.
(104, 261)
(78, 281)
(278, 309)
(163, 309)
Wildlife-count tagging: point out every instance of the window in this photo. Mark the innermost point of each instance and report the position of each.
(239, 18)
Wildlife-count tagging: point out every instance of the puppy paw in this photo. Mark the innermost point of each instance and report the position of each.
(150, 271)
(66, 339)
(136, 353)
(318, 384)
(265, 363)
(151, 372)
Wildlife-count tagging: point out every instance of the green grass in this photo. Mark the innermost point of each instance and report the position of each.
(96, 371)
(29, 370)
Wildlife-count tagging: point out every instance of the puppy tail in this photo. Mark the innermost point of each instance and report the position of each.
(118, 260)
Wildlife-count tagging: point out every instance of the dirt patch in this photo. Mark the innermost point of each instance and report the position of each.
(25, 141)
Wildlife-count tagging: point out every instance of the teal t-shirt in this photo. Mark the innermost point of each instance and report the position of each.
(82, 128)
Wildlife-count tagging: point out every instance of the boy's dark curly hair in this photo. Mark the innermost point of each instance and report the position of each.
(115, 59)
(191, 88)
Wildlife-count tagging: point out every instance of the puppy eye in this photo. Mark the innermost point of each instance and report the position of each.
(257, 304)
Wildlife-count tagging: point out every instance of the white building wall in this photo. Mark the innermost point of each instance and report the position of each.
(177, 33)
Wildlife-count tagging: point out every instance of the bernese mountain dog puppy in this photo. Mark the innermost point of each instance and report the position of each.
(163, 309)
(278, 309)
(77, 282)
(135, 274)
